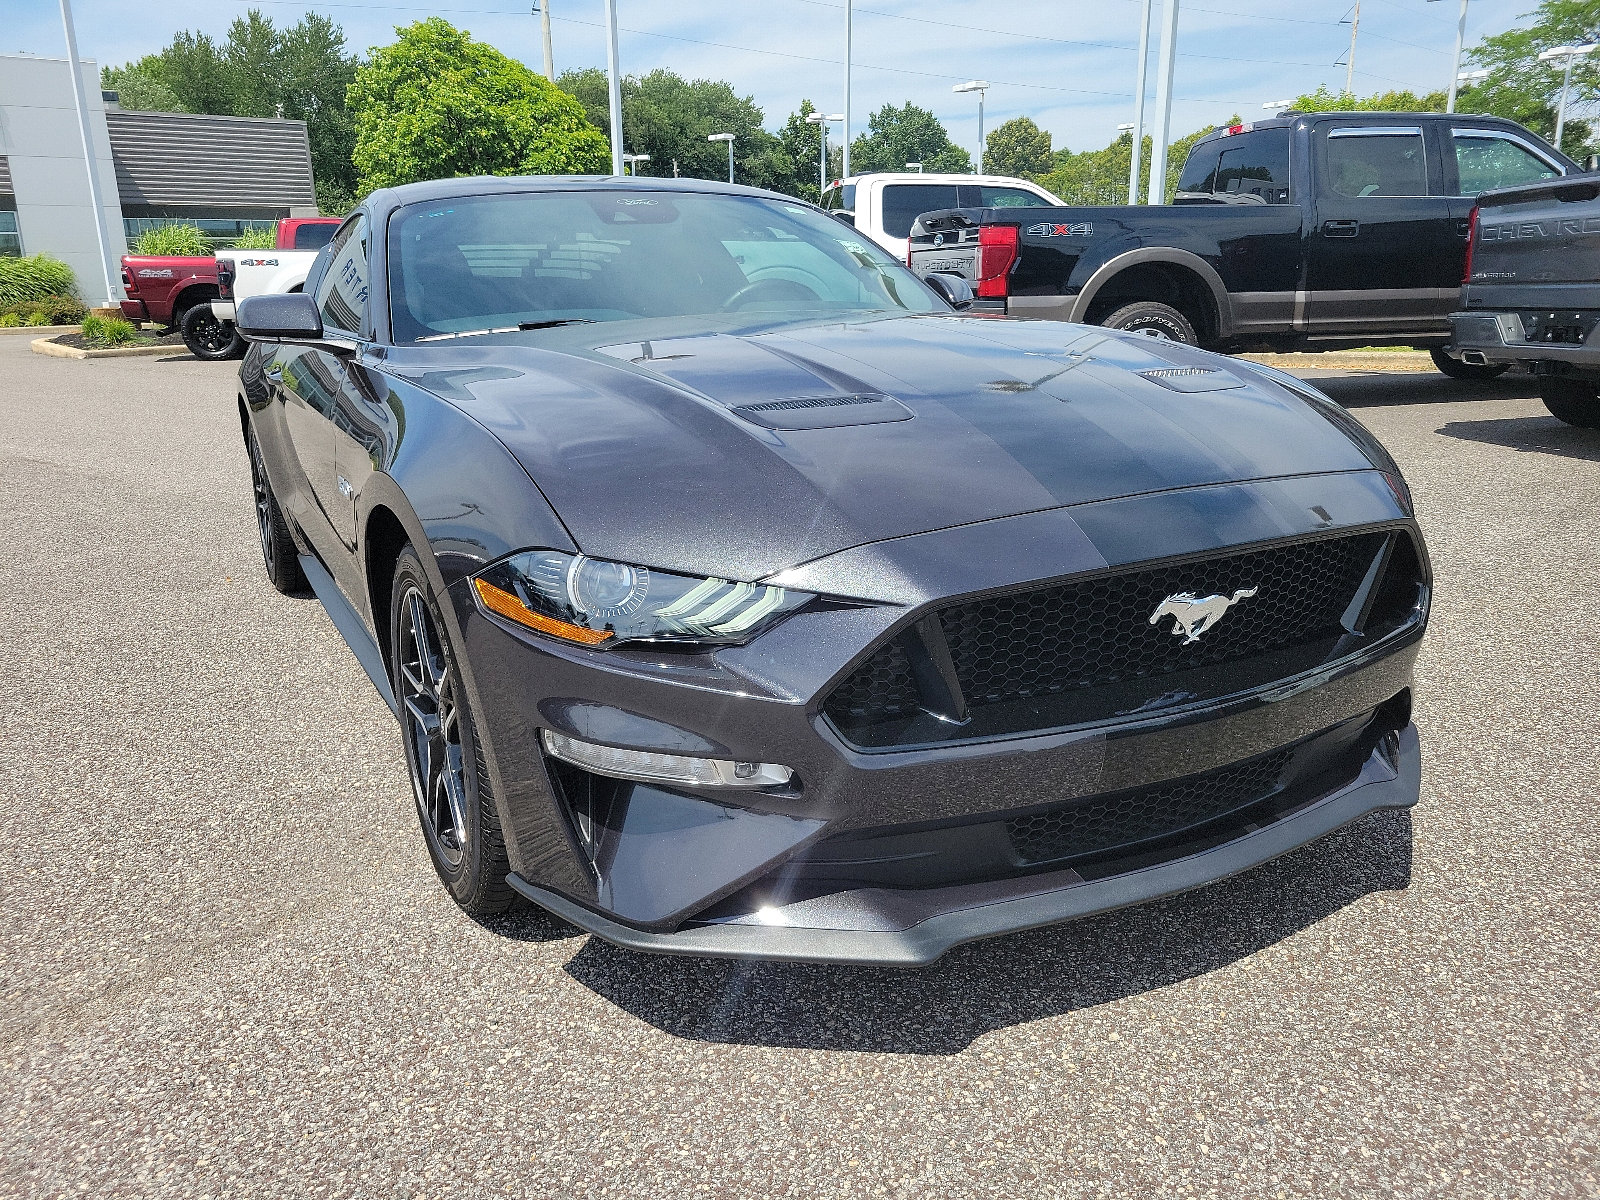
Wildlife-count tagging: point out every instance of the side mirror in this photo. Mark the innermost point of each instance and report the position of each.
(1592, 163)
(849, 218)
(954, 289)
(290, 319)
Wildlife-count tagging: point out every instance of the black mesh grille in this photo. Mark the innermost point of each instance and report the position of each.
(1094, 638)
(1105, 822)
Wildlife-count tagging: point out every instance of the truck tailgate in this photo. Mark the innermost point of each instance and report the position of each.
(1538, 247)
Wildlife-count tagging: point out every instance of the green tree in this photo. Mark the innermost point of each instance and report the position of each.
(301, 72)
(1324, 100)
(1523, 89)
(1101, 176)
(1019, 147)
(669, 118)
(437, 104)
(802, 142)
(138, 87)
(896, 136)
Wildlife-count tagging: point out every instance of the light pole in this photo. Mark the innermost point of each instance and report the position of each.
(1350, 58)
(81, 100)
(1569, 53)
(844, 169)
(1455, 66)
(821, 122)
(1469, 78)
(1277, 105)
(614, 87)
(1137, 160)
(1157, 189)
(980, 86)
(917, 167)
(633, 160)
(542, 7)
(725, 137)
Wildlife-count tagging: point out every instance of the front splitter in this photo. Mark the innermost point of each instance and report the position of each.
(1390, 778)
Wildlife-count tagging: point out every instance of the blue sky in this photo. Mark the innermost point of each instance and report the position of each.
(1068, 64)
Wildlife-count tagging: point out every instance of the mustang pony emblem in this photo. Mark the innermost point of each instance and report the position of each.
(1196, 614)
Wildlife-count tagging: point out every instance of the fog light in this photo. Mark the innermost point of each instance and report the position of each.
(664, 768)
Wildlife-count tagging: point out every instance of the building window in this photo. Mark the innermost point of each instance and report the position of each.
(10, 238)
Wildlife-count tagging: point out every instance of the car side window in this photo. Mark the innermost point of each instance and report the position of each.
(1485, 162)
(341, 293)
(1254, 169)
(1008, 197)
(1380, 163)
(903, 203)
(312, 237)
(1199, 172)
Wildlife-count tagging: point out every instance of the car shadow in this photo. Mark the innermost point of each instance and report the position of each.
(1002, 982)
(1401, 387)
(1544, 435)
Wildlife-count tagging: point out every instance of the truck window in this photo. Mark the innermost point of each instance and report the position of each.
(341, 293)
(313, 237)
(1486, 160)
(903, 203)
(1384, 161)
(1254, 168)
(1199, 172)
(1008, 197)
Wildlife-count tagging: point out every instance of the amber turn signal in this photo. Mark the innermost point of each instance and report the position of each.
(505, 604)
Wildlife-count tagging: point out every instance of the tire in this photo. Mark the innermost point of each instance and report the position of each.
(277, 545)
(449, 779)
(1571, 401)
(208, 337)
(1156, 320)
(1457, 369)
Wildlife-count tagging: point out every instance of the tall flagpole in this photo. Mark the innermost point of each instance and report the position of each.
(1138, 105)
(102, 237)
(1157, 191)
(614, 81)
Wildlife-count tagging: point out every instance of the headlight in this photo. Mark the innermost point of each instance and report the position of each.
(598, 603)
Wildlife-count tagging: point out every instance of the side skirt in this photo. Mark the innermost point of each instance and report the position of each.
(350, 626)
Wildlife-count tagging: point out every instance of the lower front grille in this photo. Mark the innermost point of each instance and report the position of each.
(1102, 823)
(1103, 647)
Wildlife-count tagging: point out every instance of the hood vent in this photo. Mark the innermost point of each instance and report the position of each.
(822, 412)
(1192, 379)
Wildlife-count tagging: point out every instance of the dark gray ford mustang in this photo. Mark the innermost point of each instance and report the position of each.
(737, 595)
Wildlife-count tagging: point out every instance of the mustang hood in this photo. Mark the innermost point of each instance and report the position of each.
(741, 455)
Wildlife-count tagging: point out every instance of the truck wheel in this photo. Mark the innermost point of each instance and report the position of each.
(1154, 320)
(1571, 401)
(1457, 369)
(208, 337)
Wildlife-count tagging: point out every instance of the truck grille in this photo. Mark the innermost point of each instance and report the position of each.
(1086, 650)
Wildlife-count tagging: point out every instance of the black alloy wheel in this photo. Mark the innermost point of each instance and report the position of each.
(208, 336)
(278, 550)
(1456, 369)
(448, 781)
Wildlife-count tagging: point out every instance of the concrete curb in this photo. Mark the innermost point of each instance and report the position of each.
(57, 350)
(41, 330)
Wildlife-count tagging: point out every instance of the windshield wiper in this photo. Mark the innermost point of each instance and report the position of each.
(442, 337)
(553, 324)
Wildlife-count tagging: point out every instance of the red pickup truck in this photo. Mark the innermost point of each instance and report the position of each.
(162, 289)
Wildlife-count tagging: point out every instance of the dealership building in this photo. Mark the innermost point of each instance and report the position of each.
(224, 174)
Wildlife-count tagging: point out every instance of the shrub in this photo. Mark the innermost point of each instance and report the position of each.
(36, 320)
(33, 278)
(107, 331)
(56, 310)
(184, 240)
(258, 238)
(10, 320)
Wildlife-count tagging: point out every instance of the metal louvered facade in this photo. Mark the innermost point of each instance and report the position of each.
(5, 176)
(193, 161)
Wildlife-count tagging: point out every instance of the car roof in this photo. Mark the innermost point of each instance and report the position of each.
(386, 200)
(1290, 117)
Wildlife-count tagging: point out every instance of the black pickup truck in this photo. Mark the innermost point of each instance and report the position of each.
(1531, 291)
(1308, 231)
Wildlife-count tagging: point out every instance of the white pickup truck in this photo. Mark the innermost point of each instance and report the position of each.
(245, 273)
(884, 206)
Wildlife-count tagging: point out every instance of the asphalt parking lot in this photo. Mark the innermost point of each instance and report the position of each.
(229, 970)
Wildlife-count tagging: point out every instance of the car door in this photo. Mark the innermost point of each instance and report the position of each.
(1483, 159)
(311, 382)
(1383, 255)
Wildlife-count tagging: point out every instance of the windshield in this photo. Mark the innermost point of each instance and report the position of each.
(481, 263)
